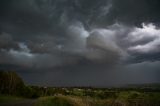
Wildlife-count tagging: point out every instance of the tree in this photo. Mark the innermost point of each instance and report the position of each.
(10, 82)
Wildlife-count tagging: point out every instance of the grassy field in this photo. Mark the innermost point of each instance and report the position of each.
(7, 98)
(71, 101)
(122, 98)
(94, 98)
(53, 101)
(131, 98)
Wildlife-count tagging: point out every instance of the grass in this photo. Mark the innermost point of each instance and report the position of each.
(53, 101)
(139, 98)
(72, 101)
(127, 98)
(8, 99)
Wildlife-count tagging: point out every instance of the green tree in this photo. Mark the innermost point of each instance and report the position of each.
(10, 82)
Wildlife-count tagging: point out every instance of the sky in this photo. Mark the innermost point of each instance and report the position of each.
(81, 42)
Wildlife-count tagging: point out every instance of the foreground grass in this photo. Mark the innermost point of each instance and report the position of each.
(53, 101)
(124, 99)
(72, 101)
(89, 101)
(9, 99)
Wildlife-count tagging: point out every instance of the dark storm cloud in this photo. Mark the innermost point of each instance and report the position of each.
(82, 36)
(135, 11)
(45, 16)
(7, 42)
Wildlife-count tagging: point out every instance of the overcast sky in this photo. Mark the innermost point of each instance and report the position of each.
(81, 42)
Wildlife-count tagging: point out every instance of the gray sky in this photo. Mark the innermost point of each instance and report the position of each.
(81, 42)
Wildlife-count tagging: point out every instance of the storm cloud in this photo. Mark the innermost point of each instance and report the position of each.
(81, 38)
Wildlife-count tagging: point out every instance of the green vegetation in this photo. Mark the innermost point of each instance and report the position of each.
(12, 89)
(6, 98)
(11, 83)
(53, 101)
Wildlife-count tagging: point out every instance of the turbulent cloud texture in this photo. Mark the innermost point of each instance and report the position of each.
(81, 37)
